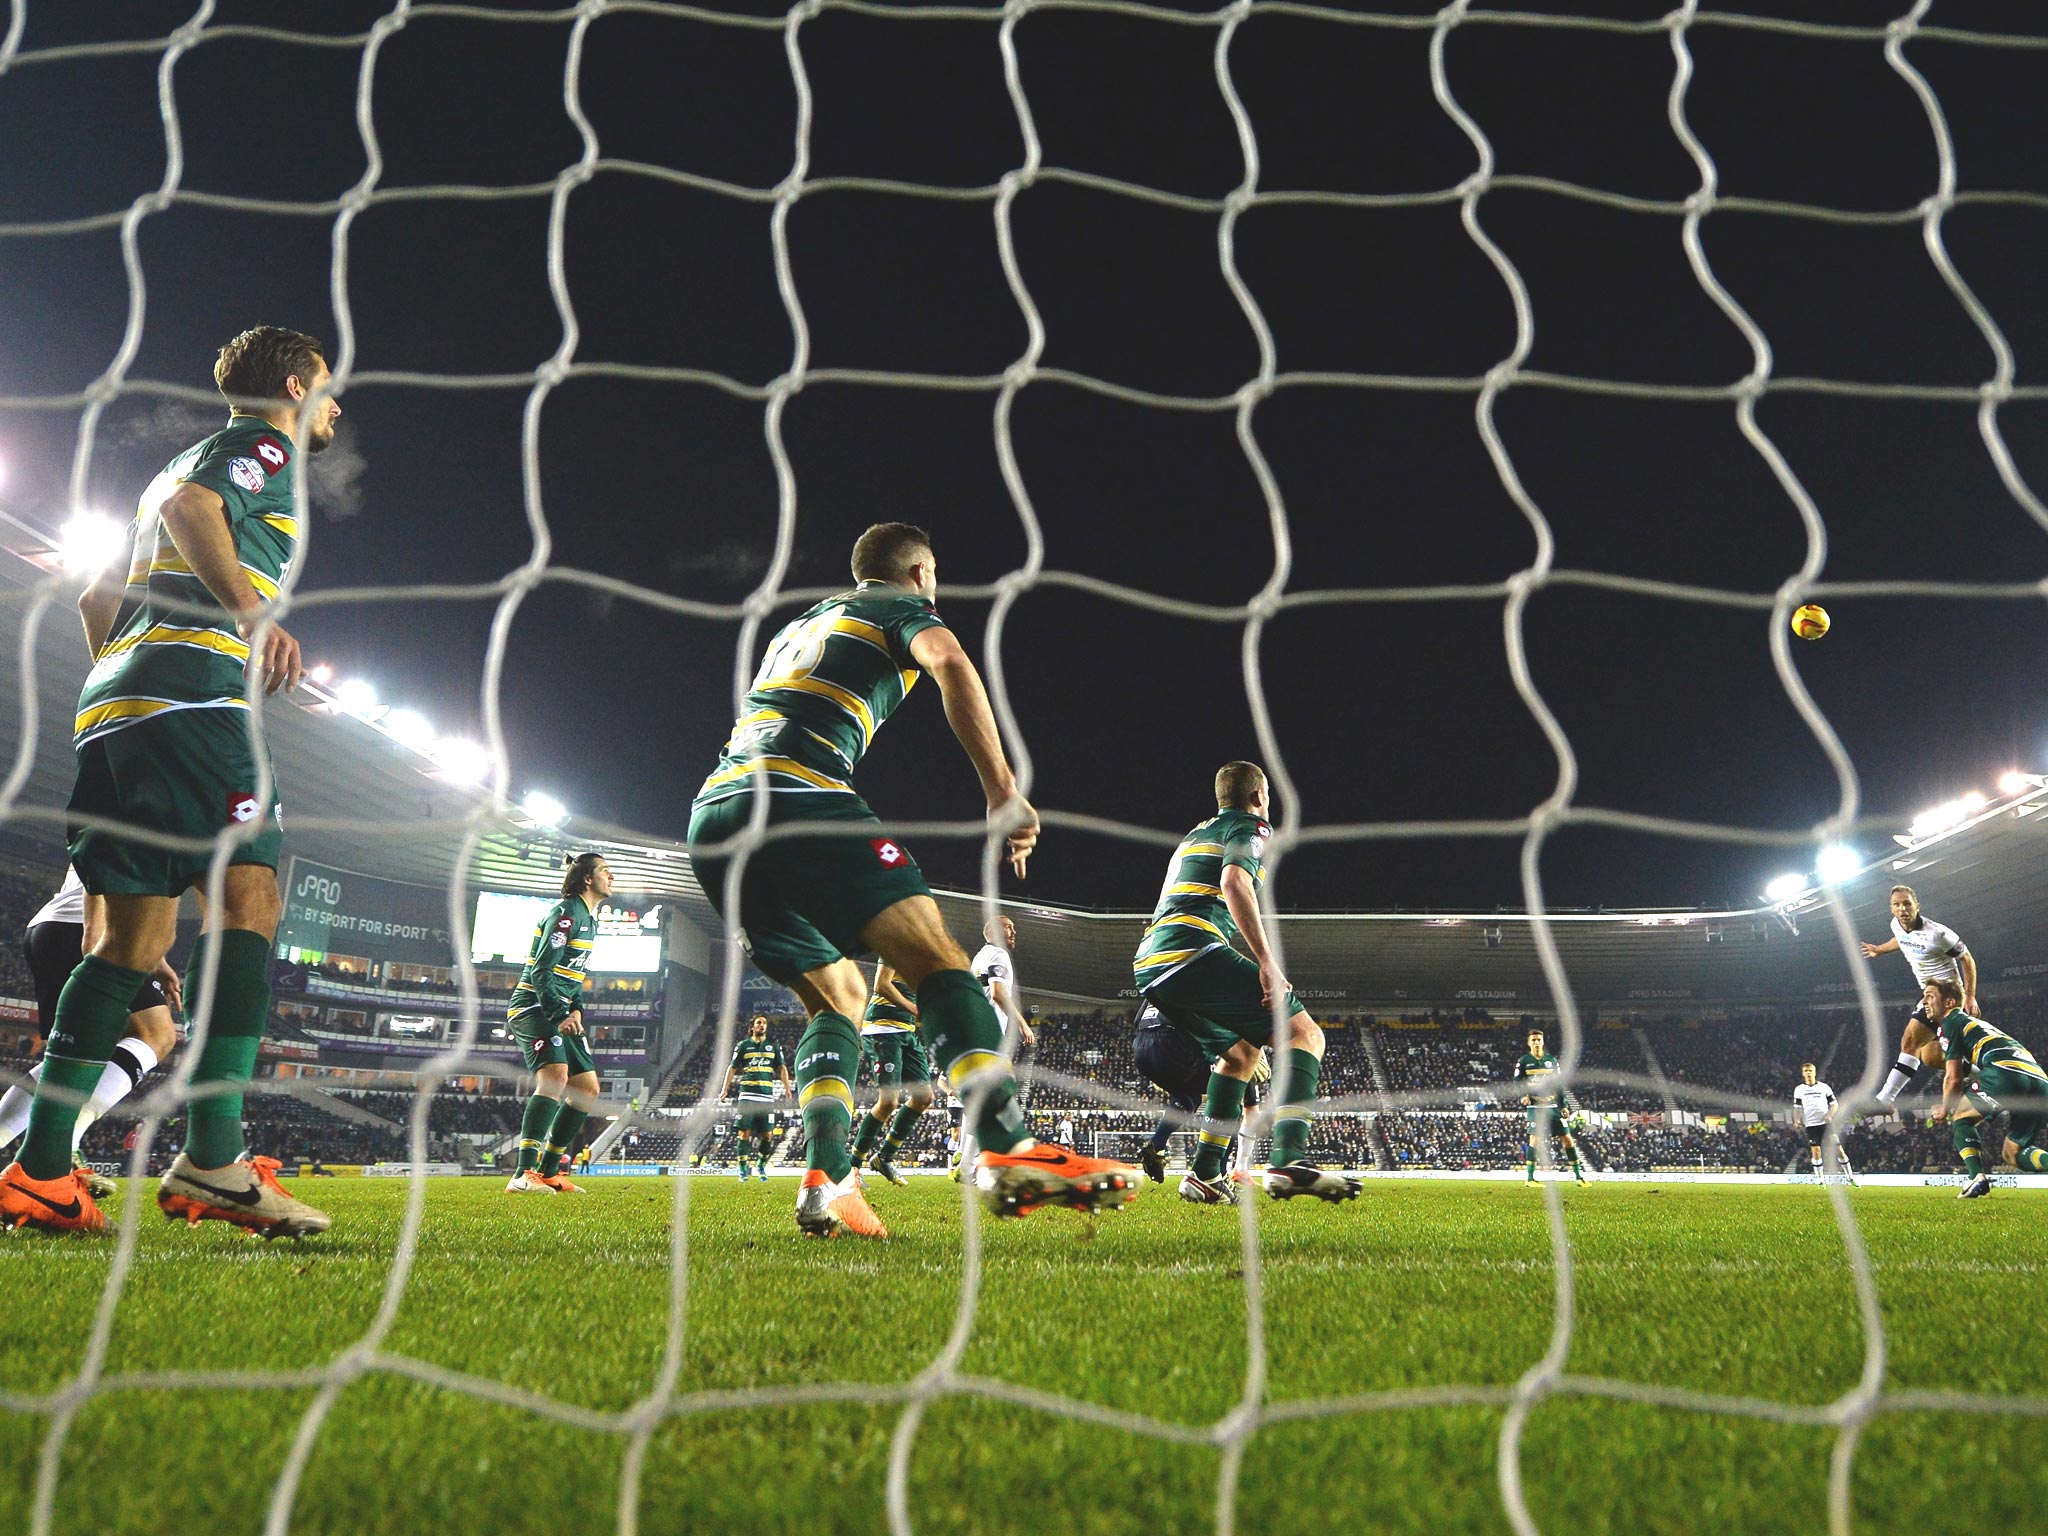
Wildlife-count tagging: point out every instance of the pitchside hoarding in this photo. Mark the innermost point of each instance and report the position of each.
(330, 911)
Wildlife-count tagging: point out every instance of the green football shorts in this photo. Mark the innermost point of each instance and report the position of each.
(900, 1057)
(189, 773)
(571, 1051)
(1547, 1117)
(755, 1117)
(804, 900)
(2020, 1095)
(1214, 1000)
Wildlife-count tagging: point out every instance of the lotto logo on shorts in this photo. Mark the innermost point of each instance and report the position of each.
(888, 852)
(241, 807)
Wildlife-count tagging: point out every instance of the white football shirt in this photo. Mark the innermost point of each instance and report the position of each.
(992, 964)
(68, 905)
(1812, 1101)
(1933, 951)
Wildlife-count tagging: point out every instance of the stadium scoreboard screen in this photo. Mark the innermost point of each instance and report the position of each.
(628, 933)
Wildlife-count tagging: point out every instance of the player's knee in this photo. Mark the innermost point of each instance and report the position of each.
(921, 1098)
(582, 1090)
(1305, 1034)
(552, 1079)
(885, 1103)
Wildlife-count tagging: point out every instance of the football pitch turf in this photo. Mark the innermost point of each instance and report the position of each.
(1737, 1291)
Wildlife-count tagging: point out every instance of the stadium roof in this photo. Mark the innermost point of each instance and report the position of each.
(359, 799)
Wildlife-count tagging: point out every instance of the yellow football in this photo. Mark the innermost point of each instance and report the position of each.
(1810, 622)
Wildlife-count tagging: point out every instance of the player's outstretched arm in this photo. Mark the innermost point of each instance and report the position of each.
(1969, 967)
(1241, 896)
(197, 521)
(1888, 947)
(939, 652)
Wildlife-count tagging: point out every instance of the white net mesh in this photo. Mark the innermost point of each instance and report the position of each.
(944, 1376)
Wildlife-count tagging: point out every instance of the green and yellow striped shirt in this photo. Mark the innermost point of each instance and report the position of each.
(174, 647)
(1192, 918)
(830, 679)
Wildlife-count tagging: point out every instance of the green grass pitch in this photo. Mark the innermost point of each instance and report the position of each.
(1742, 1291)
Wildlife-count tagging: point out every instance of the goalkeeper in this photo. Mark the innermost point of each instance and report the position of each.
(163, 746)
(545, 1015)
(1547, 1108)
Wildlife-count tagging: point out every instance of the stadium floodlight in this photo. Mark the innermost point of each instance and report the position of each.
(1974, 802)
(90, 542)
(544, 809)
(2013, 782)
(1784, 888)
(320, 672)
(463, 760)
(355, 696)
(1940, 819)
(410, 728)
(1837, 863)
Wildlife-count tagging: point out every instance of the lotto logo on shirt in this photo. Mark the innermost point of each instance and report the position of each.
(241, 807)
(889, 853)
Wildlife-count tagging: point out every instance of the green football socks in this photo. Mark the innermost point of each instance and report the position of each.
(241, 1007)
(864, 1139)
(92, 1015)
(534, 1126)
(901, 1124)
(561, 1138)
(1964, 1133)
(1222, 1108)
(826, 1059)
(965, 1036)
(1291, 1122)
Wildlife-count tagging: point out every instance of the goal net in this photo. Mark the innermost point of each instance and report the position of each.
(1337, 369)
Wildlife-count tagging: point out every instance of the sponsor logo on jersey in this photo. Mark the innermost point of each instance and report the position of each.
(557, 940)
(248, 474)
(888, 852)
(241, 806)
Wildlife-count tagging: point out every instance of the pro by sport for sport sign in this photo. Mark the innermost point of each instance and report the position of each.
(330, 911)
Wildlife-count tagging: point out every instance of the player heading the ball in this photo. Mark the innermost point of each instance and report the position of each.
(1934, 953)
(162, 740)
(1187, 968)
(806, 903)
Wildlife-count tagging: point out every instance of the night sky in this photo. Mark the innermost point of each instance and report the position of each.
(1386, 711)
